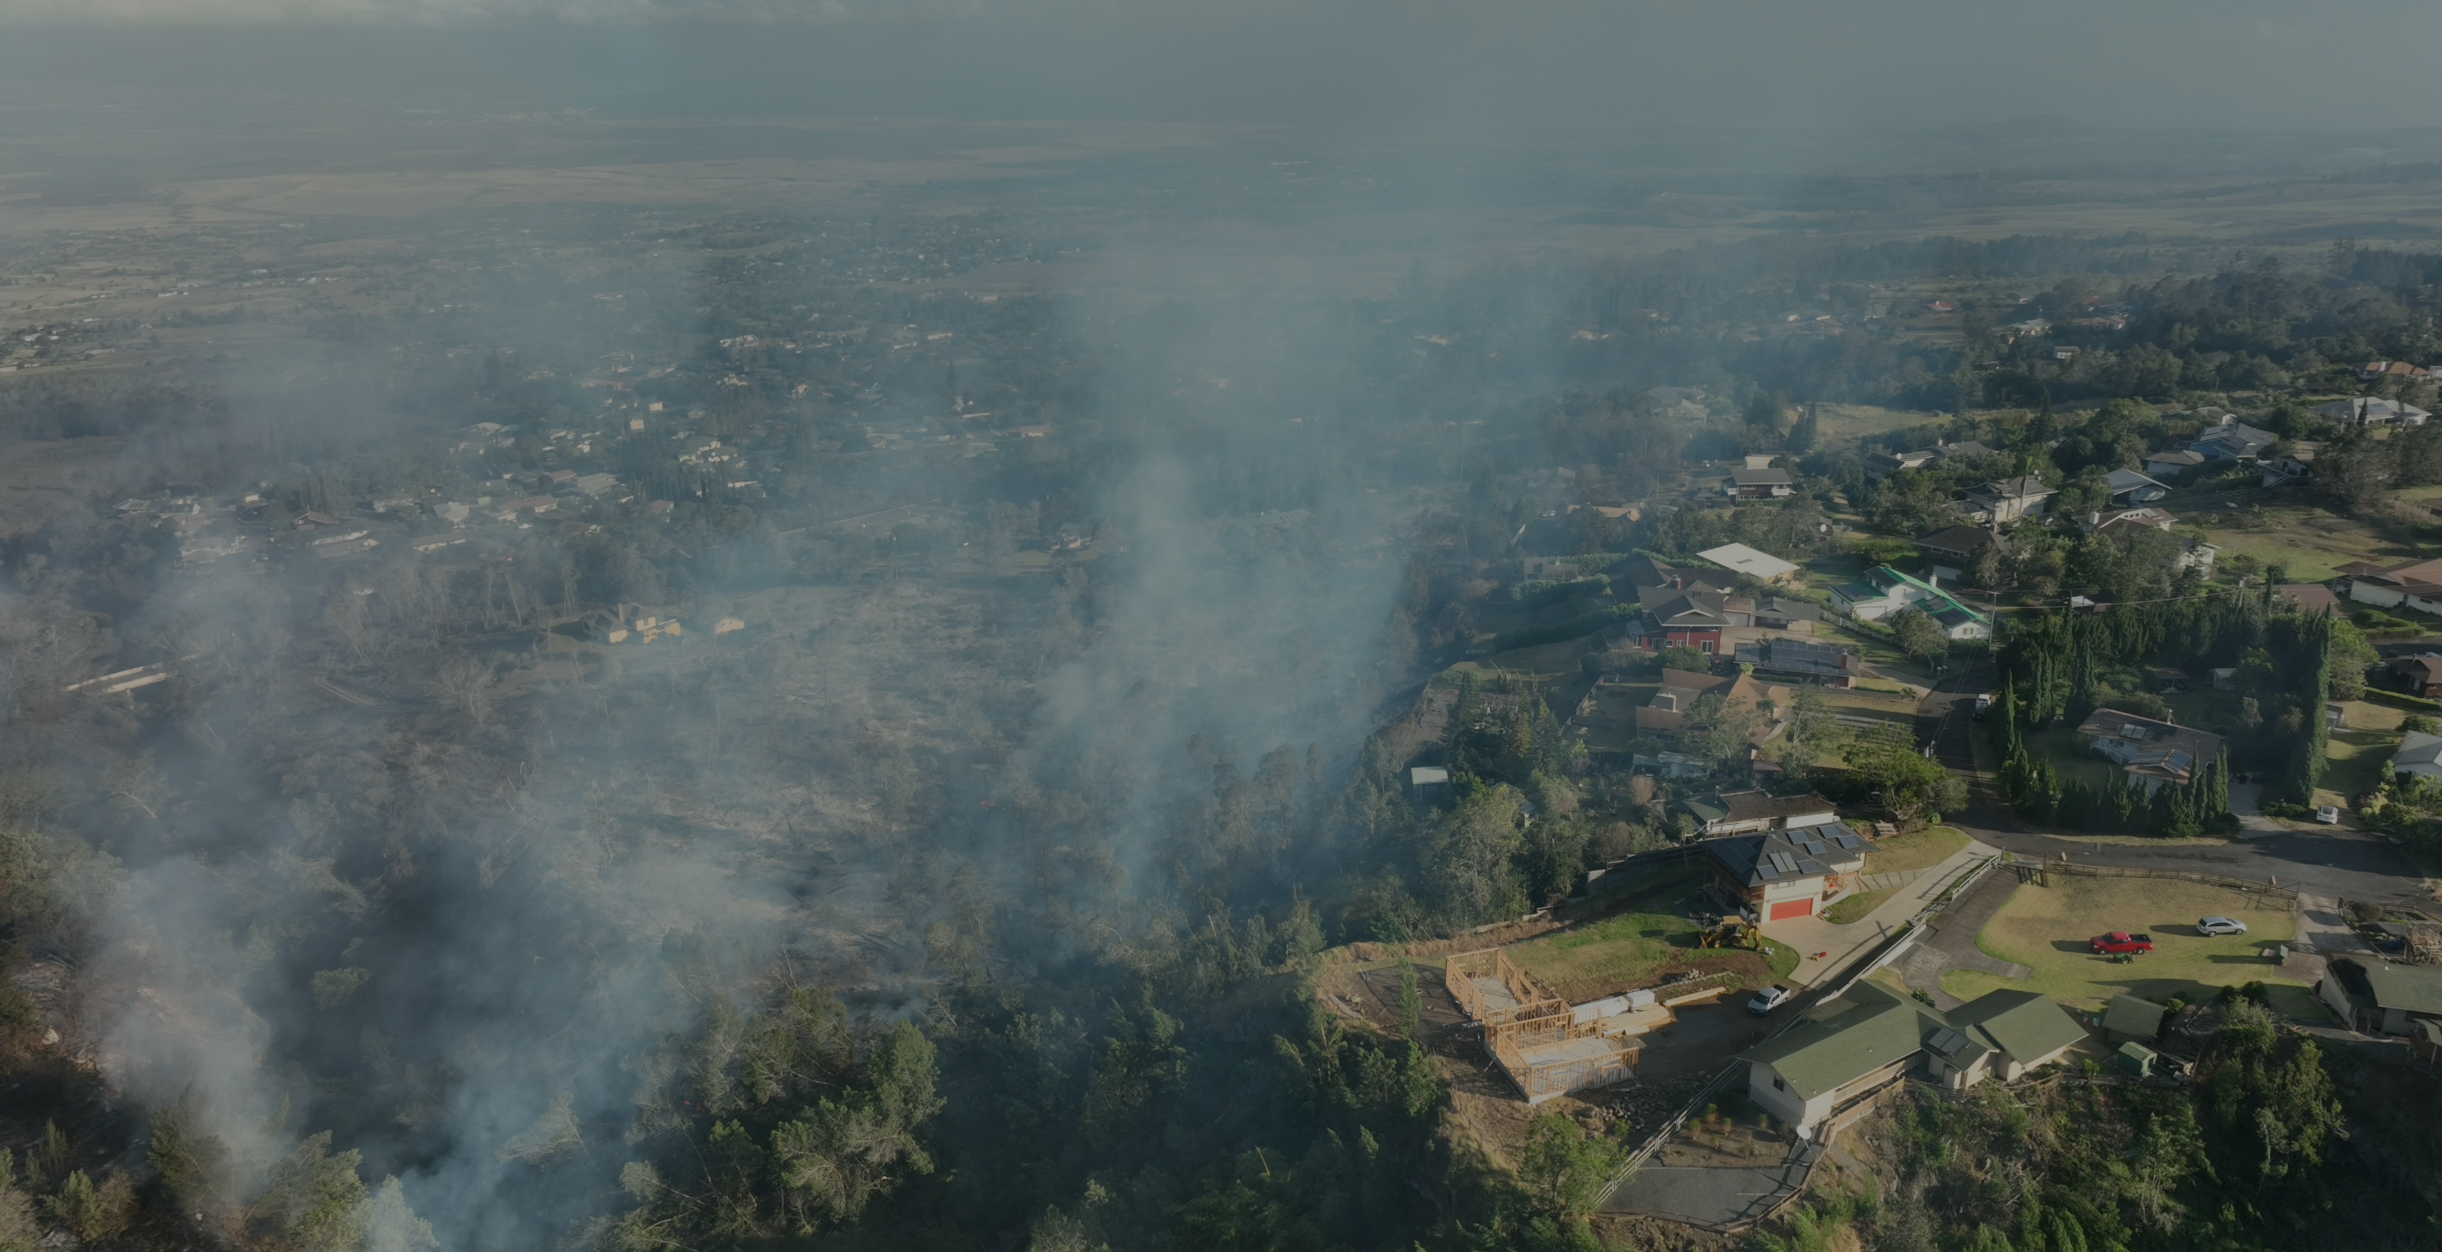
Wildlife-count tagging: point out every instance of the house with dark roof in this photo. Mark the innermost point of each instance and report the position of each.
(1781, 613)
(1644, 571)
(2416, 675)
(2375, 995)
(2008, 499)
(2232, 440)
(1742, 812)
(2173, 462)
(1782, 874)
(1869, 1036)
(1761, 484)
(2413, 584)
(2150, 751)
(1673, 618)
(1801, 660)
(1948, 551)
(1881, 465)
(2130, 487)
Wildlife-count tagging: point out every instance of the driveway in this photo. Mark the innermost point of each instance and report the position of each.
(1839, 943)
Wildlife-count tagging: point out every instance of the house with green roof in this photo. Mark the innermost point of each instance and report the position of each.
(1885, 591)
(1854, 1044)
(2380, 996)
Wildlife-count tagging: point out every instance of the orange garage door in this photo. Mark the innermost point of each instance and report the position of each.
(1793, 908)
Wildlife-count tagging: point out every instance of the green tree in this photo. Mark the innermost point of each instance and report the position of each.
(1468, 857)
(1564, 1168)
(1921, 637)
(2352, 657)
(1686, 659)
(1903, 781)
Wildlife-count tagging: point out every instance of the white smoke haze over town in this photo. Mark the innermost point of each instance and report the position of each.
(642, 624)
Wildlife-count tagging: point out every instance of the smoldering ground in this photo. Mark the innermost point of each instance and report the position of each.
(388, 865)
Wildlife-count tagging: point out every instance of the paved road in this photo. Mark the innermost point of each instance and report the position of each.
(2326, 861)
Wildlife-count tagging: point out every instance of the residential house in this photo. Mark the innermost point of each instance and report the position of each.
(2416, 675)
(596, 484)
(2150, 751)
(1882, 465)
(2368, 411)
(2006, 500)
(1667, 712)
(2291, 470)
(1763, 567)
(2373, 371)
(507, 510)
(1680, 619)
(1644, 571)
(1782, 613)
(2130, 487)
(2419, 754)
(2411, 584)
(2309, 597)
(2376, 996)
(1966, 449)
(1870, 1036)
(2232, 440)
(2173, 463)
(1745, 812)
(1760, 484)
(1782, 874)
(1886, 591)
(1426, 782)
(2190, 554)
(1949, 551)
(1801, 660)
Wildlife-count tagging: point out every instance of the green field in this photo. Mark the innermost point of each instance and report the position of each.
(2046, 929)
(1855, 906)
(2309, 542)
(1918, 849)
(1636, 946)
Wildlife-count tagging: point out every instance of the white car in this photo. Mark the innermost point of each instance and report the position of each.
(1769, 998)
(2220, 926)
(2329, 815)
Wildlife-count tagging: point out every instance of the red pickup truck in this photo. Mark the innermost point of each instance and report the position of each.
(2120, 942)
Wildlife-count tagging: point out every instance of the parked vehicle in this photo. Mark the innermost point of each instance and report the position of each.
(1769, 998)
(1984, 705)
(2120, 942)
(2329, 815)
(2220, 926)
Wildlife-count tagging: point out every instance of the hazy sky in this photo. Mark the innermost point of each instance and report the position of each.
(2354, 64)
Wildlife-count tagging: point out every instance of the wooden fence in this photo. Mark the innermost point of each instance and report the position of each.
(2031, 869)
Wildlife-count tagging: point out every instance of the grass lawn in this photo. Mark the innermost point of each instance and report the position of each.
(1856, 905)
(1635, 947)
(2046, 929)
(2310, 542)
(1918, 849)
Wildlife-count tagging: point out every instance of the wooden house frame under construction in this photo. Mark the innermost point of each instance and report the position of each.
(1546, 1046)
